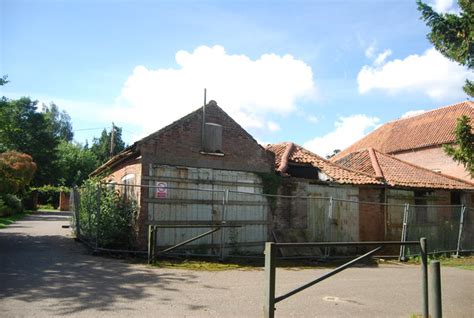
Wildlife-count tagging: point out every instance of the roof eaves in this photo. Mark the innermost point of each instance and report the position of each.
(125, 154)
(470, 184)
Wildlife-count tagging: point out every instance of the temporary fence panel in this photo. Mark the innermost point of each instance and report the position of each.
(466, 231)
(184, 195)
(438, 223)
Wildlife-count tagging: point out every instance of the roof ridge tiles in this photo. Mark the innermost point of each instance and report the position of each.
(468, 102)
(285, 157)
(375, 163)
(334, 163)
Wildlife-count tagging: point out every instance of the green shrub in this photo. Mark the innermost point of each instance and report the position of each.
(4, 210)
(10, 204)
(113, 223)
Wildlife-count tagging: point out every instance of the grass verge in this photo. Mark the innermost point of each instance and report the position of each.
(251, 264)
(464, 262)
(7, 220)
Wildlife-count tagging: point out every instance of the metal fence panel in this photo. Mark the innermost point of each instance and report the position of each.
(438, 223)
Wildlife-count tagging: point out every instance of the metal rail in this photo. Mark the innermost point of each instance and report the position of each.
(270, 269)
(152, 237)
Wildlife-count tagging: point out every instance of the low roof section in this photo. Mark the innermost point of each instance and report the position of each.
(398, 173)
(431, 128)
(287, 153)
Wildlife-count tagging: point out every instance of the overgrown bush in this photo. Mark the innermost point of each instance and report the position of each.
(112, 224)
(10, 204)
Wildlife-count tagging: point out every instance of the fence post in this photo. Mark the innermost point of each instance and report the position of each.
(76, 207)
(461, 223)
(424, 275)
(328, 237)
(404, 232)
(151, 243)
(270, 265)
(97, 220)
(436, 289)
(225, 200)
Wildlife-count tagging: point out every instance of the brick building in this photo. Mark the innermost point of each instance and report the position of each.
(210, 152)
(354, 183)
(419, 139)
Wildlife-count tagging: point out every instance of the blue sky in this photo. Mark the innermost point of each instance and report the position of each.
(319, 73)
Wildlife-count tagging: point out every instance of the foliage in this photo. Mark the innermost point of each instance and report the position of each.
(10, 204)
(74, 163)
(113, 222)
(7, 220)
(101, 146)
(60, 122)
(3, 80)
(48, 196)
(271, 182)
(463, 150)
(453, 35)
(28, 131)
(50, 188)
(16, 172)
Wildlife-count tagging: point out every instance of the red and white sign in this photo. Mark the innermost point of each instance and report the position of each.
(161, 190)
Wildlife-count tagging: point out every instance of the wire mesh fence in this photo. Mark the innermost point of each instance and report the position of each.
(105, 216)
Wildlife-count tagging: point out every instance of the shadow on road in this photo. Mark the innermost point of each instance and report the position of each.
(39, 268)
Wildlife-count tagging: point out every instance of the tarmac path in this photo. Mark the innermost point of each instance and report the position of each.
(44, 273)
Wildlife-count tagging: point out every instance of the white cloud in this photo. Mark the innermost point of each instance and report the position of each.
(249, 90)
(444, 6)
(412, 113)
(272, 126)
(370, 51)
(347, 131)
(312, 119)
(382, 57)
(430, 73)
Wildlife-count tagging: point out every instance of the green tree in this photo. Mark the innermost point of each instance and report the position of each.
(60, 122)
(452, 34)
(74, 163)
(463, 149)
(3, 80)
(101, 146)
(28, 131)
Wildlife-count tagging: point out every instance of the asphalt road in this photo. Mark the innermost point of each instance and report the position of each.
(44, 273)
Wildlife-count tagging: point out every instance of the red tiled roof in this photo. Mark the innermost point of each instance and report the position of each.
(397, 172)
(432, 128)
(287, 152)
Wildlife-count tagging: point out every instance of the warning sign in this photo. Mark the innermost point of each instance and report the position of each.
(161, 190)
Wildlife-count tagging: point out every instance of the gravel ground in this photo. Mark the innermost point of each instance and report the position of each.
(44, 272)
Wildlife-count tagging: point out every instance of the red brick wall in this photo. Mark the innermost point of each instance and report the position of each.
(181, 146)
(128, 167)
(63, 201)
(435, 158)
